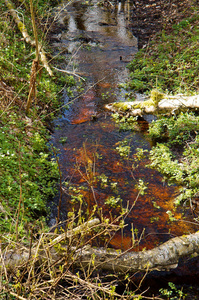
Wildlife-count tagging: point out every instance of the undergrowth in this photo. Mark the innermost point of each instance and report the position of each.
(27, 171)
(176, 154)
(170, 62)
(29, 174)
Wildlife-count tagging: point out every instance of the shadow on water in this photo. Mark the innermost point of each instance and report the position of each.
(101, 46)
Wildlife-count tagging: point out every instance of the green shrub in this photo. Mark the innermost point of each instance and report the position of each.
(177, 131)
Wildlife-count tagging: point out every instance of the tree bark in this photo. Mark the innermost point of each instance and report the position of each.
(168, 105)
(26, 36)
(163, 257)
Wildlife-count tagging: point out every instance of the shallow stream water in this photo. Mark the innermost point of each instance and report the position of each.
(98, 40)
(100, 44)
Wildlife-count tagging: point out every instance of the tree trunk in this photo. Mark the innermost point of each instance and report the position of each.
(163, 257)
(167, 105)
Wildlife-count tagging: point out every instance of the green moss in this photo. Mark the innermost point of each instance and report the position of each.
(121, 106)
(21, 26)
(156, 96)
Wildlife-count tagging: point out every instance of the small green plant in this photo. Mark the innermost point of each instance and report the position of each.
(140, 154)
(103, 180)
(172, 292)
(124, 149)
(88, 47)
(141, 186)
(113, 186)
(63, 140)
(154, 219)
(125, 123)
(156, 96)
(105, 96)
(113, 201)
(171, 216)
(155, 205)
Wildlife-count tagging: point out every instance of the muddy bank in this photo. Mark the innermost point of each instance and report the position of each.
(151, 16)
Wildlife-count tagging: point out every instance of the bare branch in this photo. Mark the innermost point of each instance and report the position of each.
(26, 36)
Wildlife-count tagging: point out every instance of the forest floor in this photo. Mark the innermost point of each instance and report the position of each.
(151, 16)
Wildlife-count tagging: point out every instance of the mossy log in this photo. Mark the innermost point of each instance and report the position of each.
(163, 257)
(26, 36)
(166, 105)
(47, 244)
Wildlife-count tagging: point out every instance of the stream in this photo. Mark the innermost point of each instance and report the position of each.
(98, 40)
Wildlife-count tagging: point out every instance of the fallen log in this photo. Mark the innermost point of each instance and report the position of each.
(21, 255)
(167, 104)
(163, 257)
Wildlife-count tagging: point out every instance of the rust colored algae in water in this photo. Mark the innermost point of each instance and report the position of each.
(89, 158)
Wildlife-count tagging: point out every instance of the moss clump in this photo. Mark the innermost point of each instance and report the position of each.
(121, 106)
(156, 96)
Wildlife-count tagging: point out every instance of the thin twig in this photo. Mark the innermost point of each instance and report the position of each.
(26, 36)
(68, 72)
(20, 195)
(17, 296)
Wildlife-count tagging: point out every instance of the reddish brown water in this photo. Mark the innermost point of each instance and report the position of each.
(92, 136)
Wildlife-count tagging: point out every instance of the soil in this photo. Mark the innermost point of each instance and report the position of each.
(151, 16)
